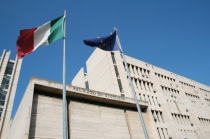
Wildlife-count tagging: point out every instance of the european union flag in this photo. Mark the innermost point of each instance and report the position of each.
(107, 43)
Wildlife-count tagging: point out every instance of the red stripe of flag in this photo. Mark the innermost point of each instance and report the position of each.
(25, 42)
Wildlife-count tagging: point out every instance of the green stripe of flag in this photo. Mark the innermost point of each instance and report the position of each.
(56, 31)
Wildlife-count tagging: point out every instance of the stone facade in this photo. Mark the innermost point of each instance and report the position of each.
(91, 114)
(100, 104)
(179, 107)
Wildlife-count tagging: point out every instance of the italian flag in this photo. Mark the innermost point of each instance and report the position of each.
(30, 39)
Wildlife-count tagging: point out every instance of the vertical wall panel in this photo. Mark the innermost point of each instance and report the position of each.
(46, 118)
(135, 127)
(89, 121)
(114, 123)
(85, 121)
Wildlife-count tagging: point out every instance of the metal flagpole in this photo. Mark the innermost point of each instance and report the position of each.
(133, 91)
(64, 79)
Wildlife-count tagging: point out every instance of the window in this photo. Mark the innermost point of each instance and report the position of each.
(2, 97)
(149, 100)
(5, 83)
(86, 85)
(144, 97)
(113, 58)
(161, 117)
(129, 68)
(148, 74)
(1, 110)
(140, 96)
(120, 85)
(148, 85)
(140, 83)
(157, 115)
(2, 102)
(137, 70)
(144, 86)
(163, 133)
(159, 132)
(153, 100)
(135, 80)
(116, 71)
(9, 68)
(132, 67)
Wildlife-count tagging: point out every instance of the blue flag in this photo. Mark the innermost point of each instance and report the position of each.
(107, 43)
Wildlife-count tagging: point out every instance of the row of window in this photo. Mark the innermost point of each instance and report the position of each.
(187, 134)
(207, 99)
(143, 85)
(5, 85)
(138, 71)
(206, 91)
(186, 84)
(163, 133)
(164, 78)
(181, 119)
(192, 96)
(170, 92)
(117, 74)
(151, 99)
(205, 122)
(157, 115)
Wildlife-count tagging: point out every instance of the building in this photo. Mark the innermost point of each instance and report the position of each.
(100, 104)
(90, 114)
(179, 107)
(9, 74)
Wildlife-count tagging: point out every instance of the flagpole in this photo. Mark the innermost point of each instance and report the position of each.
(64, 79)
(133, 90)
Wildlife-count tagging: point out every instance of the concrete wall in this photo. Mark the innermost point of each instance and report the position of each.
(46, 118)
(39, 115)
(100, 77)
(20, 125)
(97, 122)
(79, 79)
(180, 107)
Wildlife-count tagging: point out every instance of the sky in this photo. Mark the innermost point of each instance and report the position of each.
(170, 34)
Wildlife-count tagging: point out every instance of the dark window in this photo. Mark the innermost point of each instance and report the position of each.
(86, 85)
(116, 71)
(120, 85)
(113, 58)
